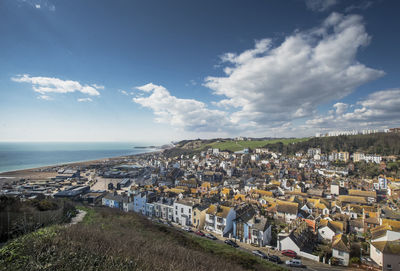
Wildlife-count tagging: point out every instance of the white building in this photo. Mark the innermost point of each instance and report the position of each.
(216, 218)
(183, 211)
(341, 249)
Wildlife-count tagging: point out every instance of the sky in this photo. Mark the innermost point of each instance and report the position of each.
(161, 71)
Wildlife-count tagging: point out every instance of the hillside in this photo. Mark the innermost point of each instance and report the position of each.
(379, 143)
(190, 147)
(112, 240)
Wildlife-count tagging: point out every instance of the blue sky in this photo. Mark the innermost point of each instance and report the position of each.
(158, 71)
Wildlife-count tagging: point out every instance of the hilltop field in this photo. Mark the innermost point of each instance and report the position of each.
(379, 143)
(108, 239)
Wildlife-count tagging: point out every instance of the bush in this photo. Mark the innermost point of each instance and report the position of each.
(354, 260)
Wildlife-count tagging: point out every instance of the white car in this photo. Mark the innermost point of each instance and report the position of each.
(295, 263)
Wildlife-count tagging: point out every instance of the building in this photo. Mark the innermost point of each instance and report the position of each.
(164, 209)
(341, 249)
(183, 211)
(286, 211)
(199, 216)
(216, 216)
(113, 201)
(140, 201)
(386, 254)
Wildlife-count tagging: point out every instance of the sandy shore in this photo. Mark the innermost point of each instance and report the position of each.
(39, 173)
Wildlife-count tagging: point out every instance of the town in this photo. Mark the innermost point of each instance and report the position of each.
(307, 208)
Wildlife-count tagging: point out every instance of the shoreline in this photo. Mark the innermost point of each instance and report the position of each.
(10, 175)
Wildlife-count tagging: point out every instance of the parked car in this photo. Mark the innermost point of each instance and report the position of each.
(186, 229)
(210, 236)
(295, 263)
(289, 253)
(274, 259)
(231, 243)
(259, 254)
(199, 233)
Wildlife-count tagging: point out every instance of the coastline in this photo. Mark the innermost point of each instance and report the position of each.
(39, 173)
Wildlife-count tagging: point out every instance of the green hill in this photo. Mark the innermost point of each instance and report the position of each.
(112, 240)
(379, 143)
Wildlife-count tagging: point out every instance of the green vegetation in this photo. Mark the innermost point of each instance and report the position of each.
(20, 217)
(380, 143)
(233, 145)
(112, 240)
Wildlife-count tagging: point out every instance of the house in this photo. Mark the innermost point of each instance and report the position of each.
(241, 223)
(127, 205)
(164, 208)
(261, 232)
(341, 249)
(328, 229)
(199, 216)
(385, 232)
(216, 218)
(112, 201)
(183, 211)
(370, 196)
(386, 254)
(286, 211)
(301, 240)
(140, 201)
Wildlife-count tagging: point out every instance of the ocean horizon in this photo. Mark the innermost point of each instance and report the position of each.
(25, 155)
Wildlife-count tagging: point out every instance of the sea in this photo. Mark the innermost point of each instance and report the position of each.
(24, 155)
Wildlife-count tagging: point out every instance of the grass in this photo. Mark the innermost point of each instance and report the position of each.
(112, 240)
(233, 145)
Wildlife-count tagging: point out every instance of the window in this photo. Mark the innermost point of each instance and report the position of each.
(176, 207)
(176, 212)
(389, 266)
(181, 210)
(194, 213)
(341, 253)
(190, 210)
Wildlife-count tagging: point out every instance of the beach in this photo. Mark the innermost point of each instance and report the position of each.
(47, 172)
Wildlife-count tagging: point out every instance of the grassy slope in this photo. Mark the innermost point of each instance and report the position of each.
(240, 145)
(112, 240)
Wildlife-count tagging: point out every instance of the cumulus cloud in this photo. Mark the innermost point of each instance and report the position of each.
(340, 108)
(189, 114)
(379, 109)
(270, 85)
(85, 100)
(45, 85)
(320, 5)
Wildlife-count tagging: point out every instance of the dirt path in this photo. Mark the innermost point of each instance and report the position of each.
(78, 218)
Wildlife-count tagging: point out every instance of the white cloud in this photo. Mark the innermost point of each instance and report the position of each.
(362, 5)
(85, 100)
(379, 109)
(270, 86)
(320, 5)
(38, 4)
(45, 85)
(97, 86)
(340, 108)
(123, 92)
(188, 114)
(44, 97)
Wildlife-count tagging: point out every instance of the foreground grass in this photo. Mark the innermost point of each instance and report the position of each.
(111, 240)
(240, 145)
